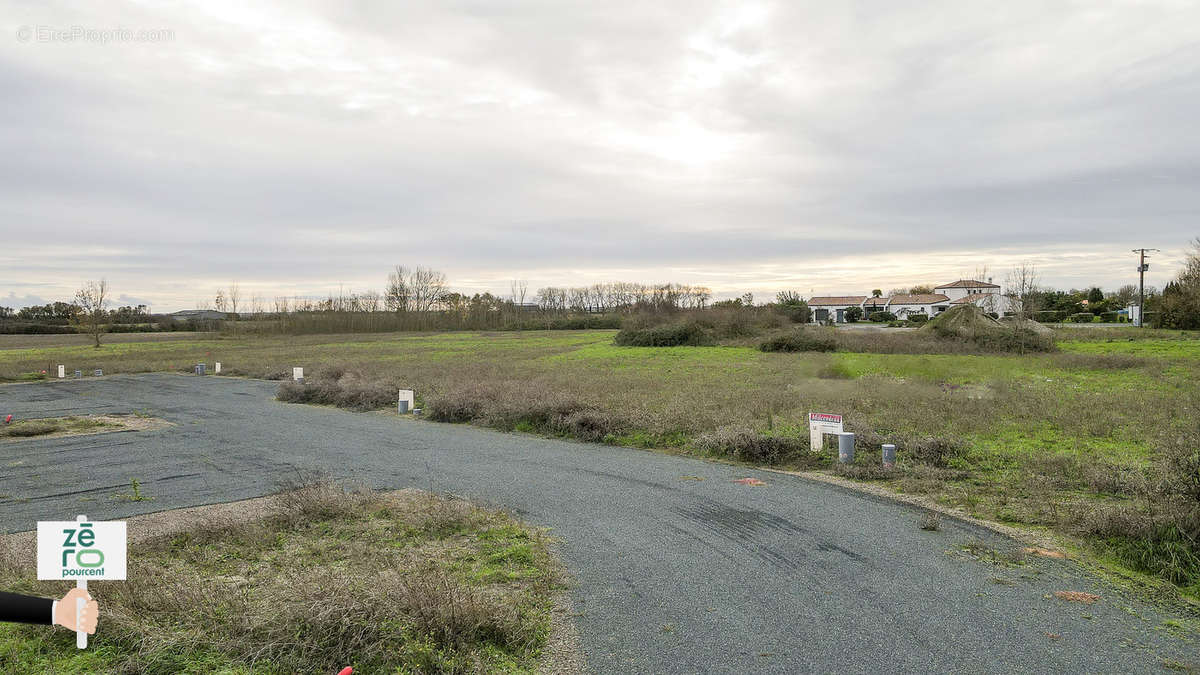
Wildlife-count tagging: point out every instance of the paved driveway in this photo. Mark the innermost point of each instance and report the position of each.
(672, 574)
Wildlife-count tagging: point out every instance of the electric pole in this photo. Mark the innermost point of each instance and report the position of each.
(1142, 267)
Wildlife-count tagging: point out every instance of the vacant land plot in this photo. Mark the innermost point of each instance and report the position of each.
(315, 580)
(1082, 441)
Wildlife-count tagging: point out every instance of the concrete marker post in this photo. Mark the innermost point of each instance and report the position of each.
(62, 372)
(404, 401)
(889, 455)
(846, 447)
(217, 368)
(298, 374)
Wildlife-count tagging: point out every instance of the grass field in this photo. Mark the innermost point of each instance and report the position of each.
(324, 579)
(1069, 440)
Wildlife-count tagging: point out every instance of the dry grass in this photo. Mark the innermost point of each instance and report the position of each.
(28, 428)
(329, 578)
(1034, 439)
(75, 426)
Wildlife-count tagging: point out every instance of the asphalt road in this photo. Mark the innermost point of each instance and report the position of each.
(672, 574)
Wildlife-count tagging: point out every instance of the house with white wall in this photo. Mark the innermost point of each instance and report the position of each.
(929, 304)
(833, 307)
(982, 294)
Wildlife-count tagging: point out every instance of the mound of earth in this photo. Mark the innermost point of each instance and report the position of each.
(964, 320)
(1027, 324)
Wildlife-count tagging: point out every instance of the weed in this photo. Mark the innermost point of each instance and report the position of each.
(931, 521)
(135, 493)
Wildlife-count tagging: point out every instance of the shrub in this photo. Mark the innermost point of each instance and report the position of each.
(936, 451)
(670, 335)
(853, 314)
(523, 406)
(917, 319)
(748, 445)
(1109, 317)
(1019, 340)
(335, 386)
(1083, 317)
(880, 317)
(794, 308)
(799, 341)
(589, 322)
(1048, 316)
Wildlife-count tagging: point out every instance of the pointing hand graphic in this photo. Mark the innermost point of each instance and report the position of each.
(64, 611)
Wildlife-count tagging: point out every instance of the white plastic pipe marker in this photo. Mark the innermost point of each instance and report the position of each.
(80, 635)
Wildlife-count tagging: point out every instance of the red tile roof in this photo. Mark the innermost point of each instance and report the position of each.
(973, 297)
(836, 300)
(966, 283)
(921, 299)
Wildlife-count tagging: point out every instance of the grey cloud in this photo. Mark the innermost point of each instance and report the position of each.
(296, 147)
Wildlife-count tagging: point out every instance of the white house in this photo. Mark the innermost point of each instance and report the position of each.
(833, 307)
(929, 304)
(982, 294)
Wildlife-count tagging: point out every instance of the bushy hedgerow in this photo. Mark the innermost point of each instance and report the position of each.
(669, 335)
(799, 341)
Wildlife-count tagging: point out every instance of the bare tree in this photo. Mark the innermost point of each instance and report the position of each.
(415, 290)
(235, 296)
(396, 295)
(519, 288)
(91, 299)
(220, 302)
(1022, 287)
(256, 305)
(428, 286)
(370, 301)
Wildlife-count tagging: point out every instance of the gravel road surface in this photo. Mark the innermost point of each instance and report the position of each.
(676, 567)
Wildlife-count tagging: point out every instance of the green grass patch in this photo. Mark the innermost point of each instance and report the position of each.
(54, 425)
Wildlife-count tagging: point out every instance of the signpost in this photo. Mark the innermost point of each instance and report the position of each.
(820, 424)
(80, 550)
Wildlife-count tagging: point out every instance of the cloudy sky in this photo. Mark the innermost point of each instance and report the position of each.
(304, 147)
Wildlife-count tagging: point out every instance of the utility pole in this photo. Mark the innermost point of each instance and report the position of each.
(1142, 267)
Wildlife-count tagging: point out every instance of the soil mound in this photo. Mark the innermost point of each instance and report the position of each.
(964, 321)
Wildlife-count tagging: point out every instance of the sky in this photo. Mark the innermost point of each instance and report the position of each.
(306, 148)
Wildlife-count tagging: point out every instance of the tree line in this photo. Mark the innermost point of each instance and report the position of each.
(418, 298)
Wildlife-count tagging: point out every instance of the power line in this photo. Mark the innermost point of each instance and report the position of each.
(1142, 267)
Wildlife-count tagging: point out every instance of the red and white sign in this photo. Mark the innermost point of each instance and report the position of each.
(820, 424)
